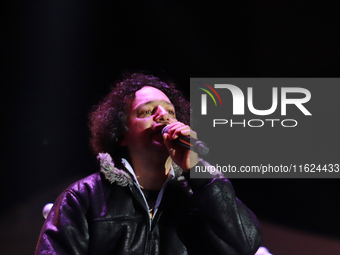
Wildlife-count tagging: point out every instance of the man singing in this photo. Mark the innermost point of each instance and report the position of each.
(143, 201)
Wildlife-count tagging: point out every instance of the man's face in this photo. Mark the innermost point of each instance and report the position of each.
(149, 112)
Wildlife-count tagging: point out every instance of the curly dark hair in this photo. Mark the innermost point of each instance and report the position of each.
(108, 118)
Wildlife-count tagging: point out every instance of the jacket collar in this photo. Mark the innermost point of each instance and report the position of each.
(121, 176)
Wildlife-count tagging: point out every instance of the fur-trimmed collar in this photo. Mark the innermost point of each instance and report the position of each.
(122, 177)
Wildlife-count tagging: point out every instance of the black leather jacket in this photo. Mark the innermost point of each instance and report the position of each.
(100, 216)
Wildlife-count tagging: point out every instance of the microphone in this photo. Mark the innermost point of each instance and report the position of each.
(189, 143)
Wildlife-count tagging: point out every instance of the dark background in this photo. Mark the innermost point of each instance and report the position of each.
(60, 58)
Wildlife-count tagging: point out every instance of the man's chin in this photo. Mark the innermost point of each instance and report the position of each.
(159, 145)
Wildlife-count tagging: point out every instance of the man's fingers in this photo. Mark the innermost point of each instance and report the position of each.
(172, 129)
(177, 129)
(168, 142)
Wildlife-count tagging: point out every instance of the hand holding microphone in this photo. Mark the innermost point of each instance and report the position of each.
(189, 142)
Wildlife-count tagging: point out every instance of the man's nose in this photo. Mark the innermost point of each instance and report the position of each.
(161, 115)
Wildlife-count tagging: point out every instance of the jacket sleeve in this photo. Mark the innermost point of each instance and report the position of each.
(65, 230)
(228, 225)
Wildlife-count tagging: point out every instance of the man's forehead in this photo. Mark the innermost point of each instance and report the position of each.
(147, 95)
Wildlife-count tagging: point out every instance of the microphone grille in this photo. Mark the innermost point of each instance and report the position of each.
(165, 130)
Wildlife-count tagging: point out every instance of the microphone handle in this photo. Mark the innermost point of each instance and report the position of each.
(193, 144)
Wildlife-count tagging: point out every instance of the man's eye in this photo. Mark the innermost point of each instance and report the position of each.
(146, 112)
(171, 112)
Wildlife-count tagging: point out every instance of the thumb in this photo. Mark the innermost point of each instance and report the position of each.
(167, 142)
